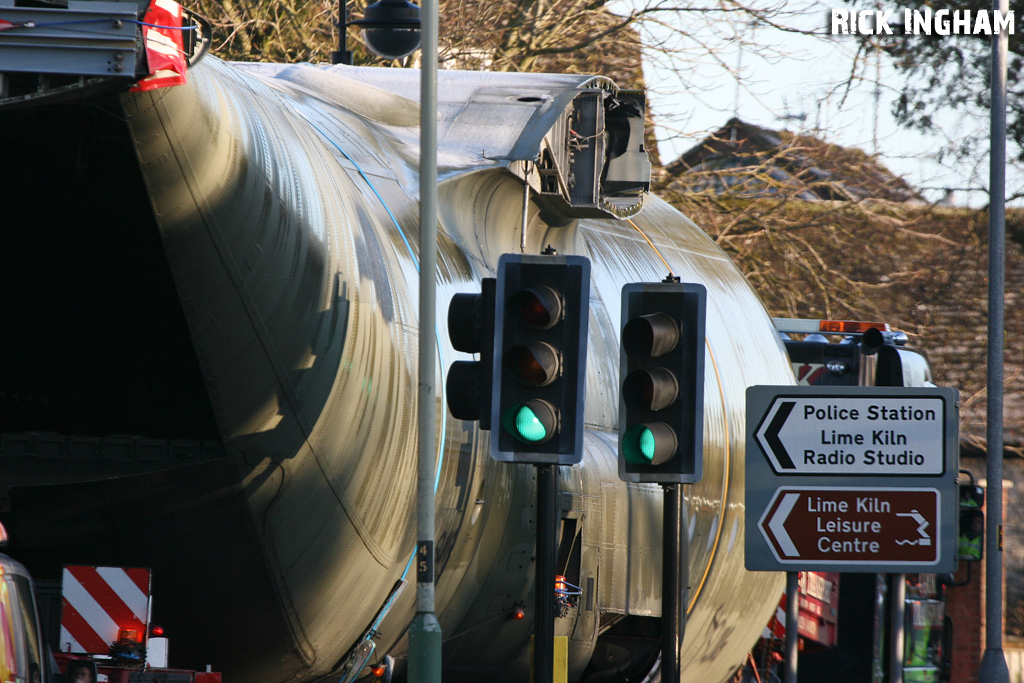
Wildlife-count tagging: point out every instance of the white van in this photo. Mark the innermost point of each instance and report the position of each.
(22, 655)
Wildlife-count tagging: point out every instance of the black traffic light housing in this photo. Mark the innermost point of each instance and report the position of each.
(542, 307)
(661, 382)
(471, 329)
(971, 540)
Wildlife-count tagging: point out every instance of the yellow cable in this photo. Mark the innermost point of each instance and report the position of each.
(637, 228)
(725, 485)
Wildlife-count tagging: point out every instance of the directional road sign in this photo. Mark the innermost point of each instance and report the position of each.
(851, 479)
(875, 526)
(842, 434)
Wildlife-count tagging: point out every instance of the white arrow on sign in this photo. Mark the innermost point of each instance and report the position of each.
(778, 521)
(840, 435)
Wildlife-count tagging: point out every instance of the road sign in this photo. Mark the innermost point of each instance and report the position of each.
(838, 433)
(851, 479)
(876, 526)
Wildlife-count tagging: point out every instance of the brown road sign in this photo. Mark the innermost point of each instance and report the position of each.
(853, 526)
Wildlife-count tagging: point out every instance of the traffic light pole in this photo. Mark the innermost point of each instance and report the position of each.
(674, 575)
(544, 583)
(661, 425)
(529, 327)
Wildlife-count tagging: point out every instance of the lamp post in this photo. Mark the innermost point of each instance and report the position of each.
(425, 631)
(993, 662)
(393, 29)
(342, 55)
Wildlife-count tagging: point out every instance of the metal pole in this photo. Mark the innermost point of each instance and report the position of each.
(993, 662)
(544, 584)
(897, 612)
(792, 621)
(342, 55)
(425, 631)
(526, 207)
(671, 584)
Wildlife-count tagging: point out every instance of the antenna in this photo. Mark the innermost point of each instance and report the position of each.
(752, 24)
(878, 99)
(787, 115)
(739, 70)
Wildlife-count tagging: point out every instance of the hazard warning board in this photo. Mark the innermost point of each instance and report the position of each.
(100, 602)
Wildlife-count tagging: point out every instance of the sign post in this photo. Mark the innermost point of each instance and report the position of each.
(850, 479)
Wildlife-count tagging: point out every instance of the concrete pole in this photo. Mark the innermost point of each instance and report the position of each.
(425, 631)
(993, 662)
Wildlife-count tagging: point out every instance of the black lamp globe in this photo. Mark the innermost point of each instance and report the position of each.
(391, 28)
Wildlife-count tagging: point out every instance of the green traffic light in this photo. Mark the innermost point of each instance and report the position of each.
(535, 421)
(647, 443)
(528, 425)
(653, 443)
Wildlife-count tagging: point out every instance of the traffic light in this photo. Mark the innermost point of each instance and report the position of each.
(542, 305)
(471, 329)
(661, 390)
(971, 540)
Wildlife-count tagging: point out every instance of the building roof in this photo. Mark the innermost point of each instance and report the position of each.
(747, 160)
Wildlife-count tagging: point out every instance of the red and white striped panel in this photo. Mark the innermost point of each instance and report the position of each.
(98, 602)
(776, 627)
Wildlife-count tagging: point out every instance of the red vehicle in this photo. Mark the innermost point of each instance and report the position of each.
(104, 630)
(851, 353)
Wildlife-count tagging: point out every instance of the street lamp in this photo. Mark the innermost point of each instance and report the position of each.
(391, 29)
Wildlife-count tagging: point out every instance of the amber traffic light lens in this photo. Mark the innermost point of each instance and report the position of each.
(537, 364)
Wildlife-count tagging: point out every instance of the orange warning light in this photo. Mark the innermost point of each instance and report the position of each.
(378, 670)
(851, 326)
(518, 613)
(132, 634)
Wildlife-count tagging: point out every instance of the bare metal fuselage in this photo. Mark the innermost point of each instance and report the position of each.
(225, 273)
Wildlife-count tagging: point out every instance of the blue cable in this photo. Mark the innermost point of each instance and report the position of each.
(412, 255)
(47, 24)
(172, 28)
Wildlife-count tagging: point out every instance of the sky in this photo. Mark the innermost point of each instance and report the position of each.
(799, 87)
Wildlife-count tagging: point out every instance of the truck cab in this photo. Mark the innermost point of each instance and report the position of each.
(851, 353)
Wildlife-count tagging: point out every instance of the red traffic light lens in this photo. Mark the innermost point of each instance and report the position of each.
(538, 308)
(654, 335)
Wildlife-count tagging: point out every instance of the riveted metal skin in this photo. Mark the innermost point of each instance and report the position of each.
(214, 291)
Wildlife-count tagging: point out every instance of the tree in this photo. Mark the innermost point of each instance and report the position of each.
(947, 73)
(581, 36)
